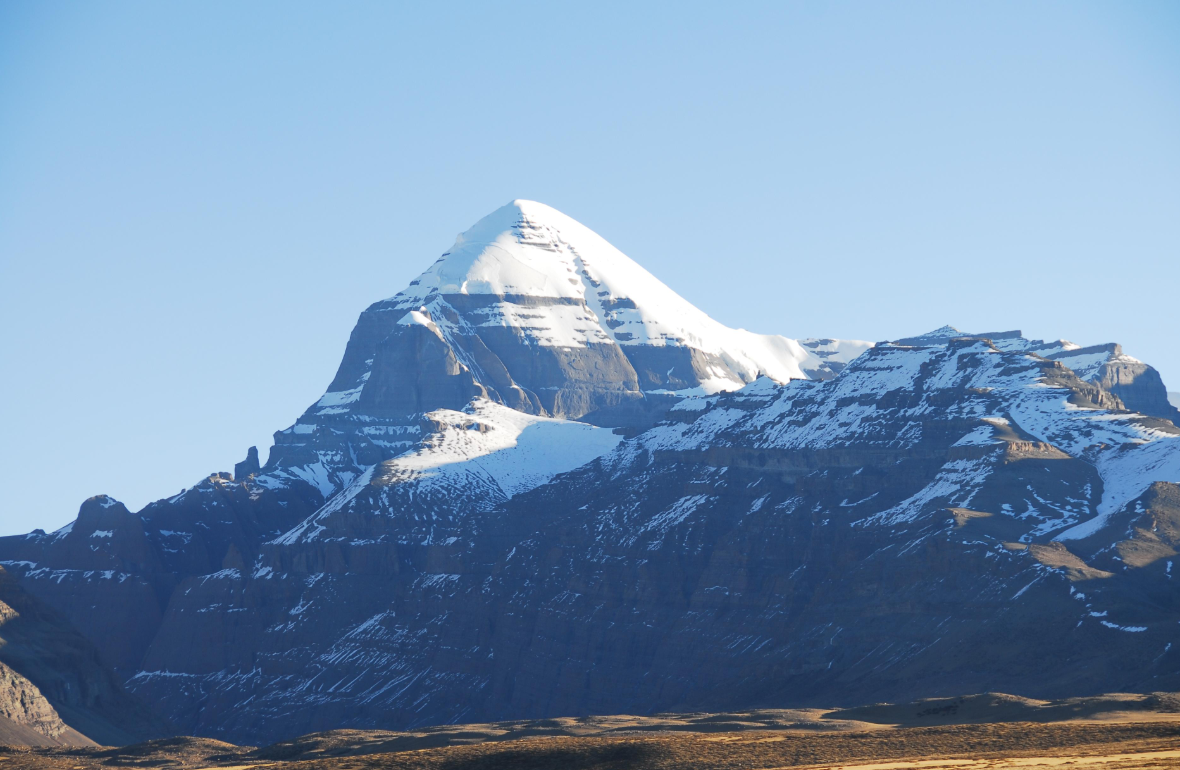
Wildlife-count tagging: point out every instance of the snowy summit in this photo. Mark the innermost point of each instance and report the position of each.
(598, 295)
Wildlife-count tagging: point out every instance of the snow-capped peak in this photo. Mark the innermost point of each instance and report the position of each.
(528, 249)
(941, 332)
(521, 249)
(592, 293)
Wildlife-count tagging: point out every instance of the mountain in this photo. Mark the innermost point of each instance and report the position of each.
(542, 484)
(533, 311)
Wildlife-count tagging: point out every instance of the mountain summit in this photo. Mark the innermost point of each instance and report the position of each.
(594, 294)
(536, 311)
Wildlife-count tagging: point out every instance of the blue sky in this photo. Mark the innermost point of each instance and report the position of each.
(198, 199)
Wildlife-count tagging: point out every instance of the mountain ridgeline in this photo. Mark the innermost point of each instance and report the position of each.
(543, 484)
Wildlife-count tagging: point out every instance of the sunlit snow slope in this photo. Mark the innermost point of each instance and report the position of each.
(535, 312)
(531, 302)
(527, 249)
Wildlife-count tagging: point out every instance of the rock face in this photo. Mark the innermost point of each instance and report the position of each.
(1137, 384)
(54, 689)
(249, 466)
(541, 484)
(23, 704)
(111, 573)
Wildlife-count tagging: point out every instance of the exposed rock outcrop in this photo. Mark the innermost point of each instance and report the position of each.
(248, 467)
(21, 702)
(1137, 384)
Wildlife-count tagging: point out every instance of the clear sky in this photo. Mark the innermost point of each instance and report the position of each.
(198, 199)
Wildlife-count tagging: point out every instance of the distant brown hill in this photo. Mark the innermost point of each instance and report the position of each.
(978, 732)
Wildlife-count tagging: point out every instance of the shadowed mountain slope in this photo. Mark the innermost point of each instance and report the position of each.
(54, 689)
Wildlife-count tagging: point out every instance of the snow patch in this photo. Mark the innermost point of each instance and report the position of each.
(517, 451)
(1127, 472)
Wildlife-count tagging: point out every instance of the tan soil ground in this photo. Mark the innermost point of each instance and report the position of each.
(1106, 733)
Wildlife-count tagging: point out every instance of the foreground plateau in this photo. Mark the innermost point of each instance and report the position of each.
(982, 731)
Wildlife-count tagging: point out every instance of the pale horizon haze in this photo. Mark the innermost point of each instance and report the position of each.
(198, 200)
